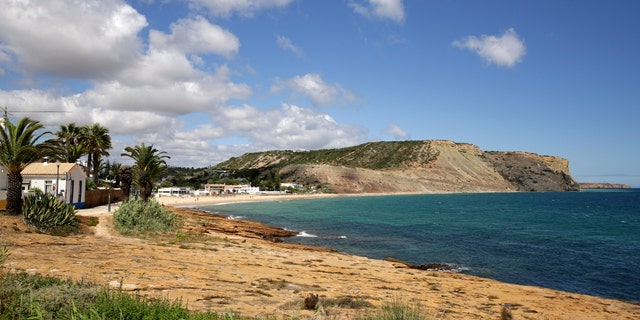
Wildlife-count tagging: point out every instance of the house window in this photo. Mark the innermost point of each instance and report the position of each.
(48, 187)
(80, 191)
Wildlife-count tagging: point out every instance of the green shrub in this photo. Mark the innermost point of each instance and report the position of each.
(48, 213)
(137, 216)
(397, 311)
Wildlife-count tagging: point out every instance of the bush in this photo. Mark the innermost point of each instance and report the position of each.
(48, 213)
(137, 216)
(398, 311)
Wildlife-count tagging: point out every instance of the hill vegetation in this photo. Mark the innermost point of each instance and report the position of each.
(372, 155)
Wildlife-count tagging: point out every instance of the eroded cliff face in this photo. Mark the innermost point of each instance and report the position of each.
(532, 172)
(452, 167)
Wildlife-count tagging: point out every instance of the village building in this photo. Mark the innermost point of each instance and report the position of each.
(214, 188)
(66, 180)
(174, 192)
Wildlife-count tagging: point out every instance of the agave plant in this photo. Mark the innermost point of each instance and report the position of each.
(47, 212)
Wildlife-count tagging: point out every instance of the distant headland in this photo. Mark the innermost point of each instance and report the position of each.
(590, 185)
(422, 166)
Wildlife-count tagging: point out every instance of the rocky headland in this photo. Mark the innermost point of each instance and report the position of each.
(591, 185)
(427, 166)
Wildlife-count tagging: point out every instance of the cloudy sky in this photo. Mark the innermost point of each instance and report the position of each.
(205, 80)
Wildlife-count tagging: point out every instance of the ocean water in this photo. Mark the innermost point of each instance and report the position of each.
(585, 242)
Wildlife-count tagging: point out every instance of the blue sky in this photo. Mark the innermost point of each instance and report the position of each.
(205, 80)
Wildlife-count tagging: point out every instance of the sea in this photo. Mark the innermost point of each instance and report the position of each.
(585, 242)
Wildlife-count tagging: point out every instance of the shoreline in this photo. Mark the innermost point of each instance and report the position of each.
(424, 264)
(210, 270)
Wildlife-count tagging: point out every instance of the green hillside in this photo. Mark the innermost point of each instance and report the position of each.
(372, 155)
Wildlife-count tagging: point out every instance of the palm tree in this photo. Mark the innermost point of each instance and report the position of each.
(114, 173)
(126, 177)
(96, 141)
(66, 146)
(149, 166)
(18, 148)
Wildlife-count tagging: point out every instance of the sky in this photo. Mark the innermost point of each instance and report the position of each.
(206, 80)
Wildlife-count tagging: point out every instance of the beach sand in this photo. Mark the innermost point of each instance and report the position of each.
(222, 265)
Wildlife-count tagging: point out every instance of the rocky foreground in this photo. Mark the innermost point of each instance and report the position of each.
(218, 264)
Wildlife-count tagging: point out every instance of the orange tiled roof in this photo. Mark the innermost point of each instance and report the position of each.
(39, 168)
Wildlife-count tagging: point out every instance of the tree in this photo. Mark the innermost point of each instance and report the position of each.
(19, 147)
(66, 147)
(114, 173)
(126, 177)
(96, 142)
(149, 166)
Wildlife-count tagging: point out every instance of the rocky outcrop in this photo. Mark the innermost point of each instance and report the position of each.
(589, 185)
(531, 172)
(413, 167)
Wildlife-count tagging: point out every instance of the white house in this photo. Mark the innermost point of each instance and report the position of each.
(174, 192)
(241, 189)
(68, 180)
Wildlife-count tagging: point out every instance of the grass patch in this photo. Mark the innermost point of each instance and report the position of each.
(24, 296)
(397, 311)
(93, 221)
(4, 254)
(347, 302)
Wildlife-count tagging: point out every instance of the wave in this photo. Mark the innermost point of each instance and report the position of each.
(306, 235)
(236, 217)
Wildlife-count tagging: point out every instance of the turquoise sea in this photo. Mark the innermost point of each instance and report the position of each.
(586, 242)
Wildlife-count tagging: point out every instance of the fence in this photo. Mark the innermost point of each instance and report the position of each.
(99, 197)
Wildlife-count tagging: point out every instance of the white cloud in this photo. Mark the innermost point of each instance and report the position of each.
(71, 39)
(154, 88)
(286, 44)
(300, 128)
(397, 132)
(504, 51)
(195, 36)
(290, 127)
(381, 9)
(247, 8)
(244, 119)
(312, 86)
(146, 94)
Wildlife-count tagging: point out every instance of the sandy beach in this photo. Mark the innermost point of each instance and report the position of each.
(219, 264)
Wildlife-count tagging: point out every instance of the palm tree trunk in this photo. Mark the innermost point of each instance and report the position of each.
(14, 194)
(143, 193)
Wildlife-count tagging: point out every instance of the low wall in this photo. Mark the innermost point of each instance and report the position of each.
(100, 197)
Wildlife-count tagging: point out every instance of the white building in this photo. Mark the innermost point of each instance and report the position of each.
(174, 192)
(241, 189)
(220, 188)
(67, 180)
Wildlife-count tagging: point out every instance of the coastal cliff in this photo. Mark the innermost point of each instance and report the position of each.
(411, 166)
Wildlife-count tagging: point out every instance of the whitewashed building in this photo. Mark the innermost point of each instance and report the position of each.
(67, 180)
(241, 189)
(174, 192)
